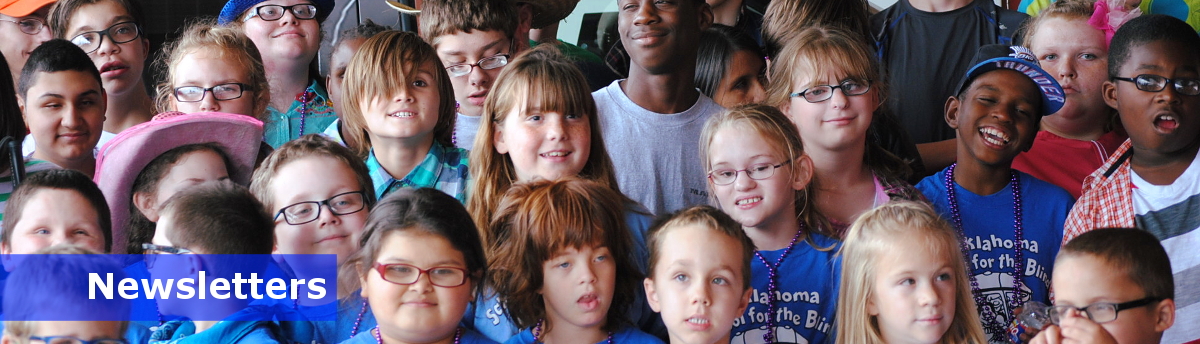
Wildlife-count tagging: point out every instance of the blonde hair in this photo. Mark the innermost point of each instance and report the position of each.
(230, 44)
(311, 145)
(560, 87)
(821, 51)
(874, 233)
(774, 127)
(710, 218)
(1066, 9)
(382, 65)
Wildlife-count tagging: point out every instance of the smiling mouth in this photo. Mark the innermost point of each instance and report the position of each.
(748, 200)
(555, 154)
(993, 136)
(402, 114)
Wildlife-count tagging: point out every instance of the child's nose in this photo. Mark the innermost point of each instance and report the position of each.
(701, 294)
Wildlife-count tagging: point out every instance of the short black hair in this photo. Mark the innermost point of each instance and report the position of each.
(364, 30)
(1146, 29)
(56, 179)
(55, 55)
(219, 218)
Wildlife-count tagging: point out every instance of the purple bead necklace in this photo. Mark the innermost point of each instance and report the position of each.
(303, 110)
(379, 339)
(358, 320)
(989, 315)
(537, 333)
(773, 286)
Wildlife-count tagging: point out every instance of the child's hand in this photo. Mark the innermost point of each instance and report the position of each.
(1081, 330)
(1049, 335)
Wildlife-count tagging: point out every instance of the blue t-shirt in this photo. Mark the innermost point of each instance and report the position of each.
(988, 229)
(468, 337)
(627, 335)
(807, 300)
(349, 311)
(487, 316)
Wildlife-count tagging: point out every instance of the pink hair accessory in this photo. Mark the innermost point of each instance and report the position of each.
(1109, 15)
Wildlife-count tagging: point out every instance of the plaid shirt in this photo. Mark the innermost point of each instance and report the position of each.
(1107, 199)
(443, 169)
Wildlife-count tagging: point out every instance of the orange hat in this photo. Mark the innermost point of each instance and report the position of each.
(21, 8)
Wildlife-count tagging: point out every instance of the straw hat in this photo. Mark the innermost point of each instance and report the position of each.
(123, 158)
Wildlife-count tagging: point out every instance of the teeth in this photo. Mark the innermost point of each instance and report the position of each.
(1166, 118)
(556, 154)
(698, 321)
(402, 114)
(748, 201)
(994, 136)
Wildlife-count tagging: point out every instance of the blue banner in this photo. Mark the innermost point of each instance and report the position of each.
(91, 287)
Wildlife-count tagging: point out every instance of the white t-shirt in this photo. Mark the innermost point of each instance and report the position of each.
(1172, 213)
(656, 156)
(465, 129)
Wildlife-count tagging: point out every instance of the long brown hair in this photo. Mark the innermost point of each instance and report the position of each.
(382, 65)
(559, 87)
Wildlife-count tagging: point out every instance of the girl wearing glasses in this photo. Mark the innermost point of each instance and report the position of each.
(213, 69)
(287, 34)
(760, 175)
(22, 28)
(110, 31)
(826, 85)
(420, 265)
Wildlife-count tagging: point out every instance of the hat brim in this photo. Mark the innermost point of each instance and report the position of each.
(123, 158)
(1051, 92)
(22, 8)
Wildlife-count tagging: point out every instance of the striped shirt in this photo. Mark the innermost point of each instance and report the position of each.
(6, 186)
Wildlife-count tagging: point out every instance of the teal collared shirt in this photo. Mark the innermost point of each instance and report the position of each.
(316, 114)
(444, 169)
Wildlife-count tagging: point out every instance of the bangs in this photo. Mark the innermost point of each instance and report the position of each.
(829, 60)
(542, 86)
(559, 219)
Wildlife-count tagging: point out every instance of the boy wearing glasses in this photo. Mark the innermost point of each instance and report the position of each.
(1152, 182)
(214, 218)
(1111, 285)
(22, 28)
(475, 39)
(109, 31)
(1011, 222)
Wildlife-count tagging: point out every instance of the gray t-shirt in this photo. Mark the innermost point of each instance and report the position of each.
(465, 128)
(656, 156)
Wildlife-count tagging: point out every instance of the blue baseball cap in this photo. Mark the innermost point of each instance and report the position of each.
(234, 9)
(998, 56)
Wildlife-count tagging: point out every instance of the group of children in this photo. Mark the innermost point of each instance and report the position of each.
(472, 190)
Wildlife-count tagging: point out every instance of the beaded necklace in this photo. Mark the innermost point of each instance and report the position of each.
(537, 333)
(773, 286)
(358, 320)
(379, 339)
(992, 326)
(303, 109)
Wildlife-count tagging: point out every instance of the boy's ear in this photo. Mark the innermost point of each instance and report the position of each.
(1165, 314)
(652, 295)
(146, 204)
(195, 264)
(803, 173)
(745, 301)
(1108, 90)
(705, 16)
(952, 108)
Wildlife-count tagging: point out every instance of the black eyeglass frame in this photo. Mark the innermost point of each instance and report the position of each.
(1055, 311)
(242, 88)
(322, 204)
(107, 32)
(1176, 83)
(804, 94)
(283, 11)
